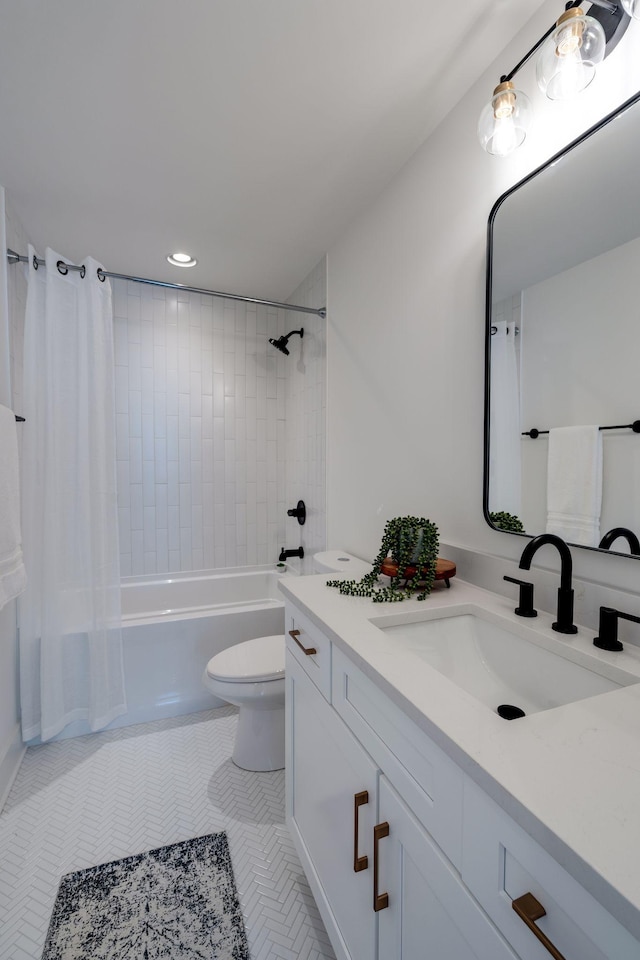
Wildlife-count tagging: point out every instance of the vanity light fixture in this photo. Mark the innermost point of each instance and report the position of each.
(182, 260)
(569, 54)
(504, 122)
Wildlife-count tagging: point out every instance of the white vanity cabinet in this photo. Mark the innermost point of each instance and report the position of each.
(331, 788)
(406, 856)
(383, 886)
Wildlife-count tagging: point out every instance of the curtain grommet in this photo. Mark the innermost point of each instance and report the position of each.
(62, 268)
(101, 275)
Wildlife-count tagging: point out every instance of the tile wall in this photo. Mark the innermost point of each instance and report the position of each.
(202, 414)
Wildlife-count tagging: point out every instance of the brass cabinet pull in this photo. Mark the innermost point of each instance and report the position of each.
(380, 900)
(294, 634)
(529, 910)
(359, 863)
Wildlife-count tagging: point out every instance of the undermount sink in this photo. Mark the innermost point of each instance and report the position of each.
(496, 665)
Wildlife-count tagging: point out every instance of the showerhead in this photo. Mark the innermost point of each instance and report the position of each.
(281, 343)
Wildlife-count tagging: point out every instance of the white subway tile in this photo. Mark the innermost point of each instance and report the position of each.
(173, 482)
(161, 497)
(149, 483)
(186, 562)
(173, 513)
(146, 344)
(196, 485)
(119, 299)
(149, 529)
(185, 505)
(162, 552)
(195, 392)
(124, 529)
(137, 552)
(197, 541)
(196, 439)
(184, 416)
(137, 509)
(122, 436)
(135, 459)
(218, 438)
(185, 461)
(172, 438)
(207, 460)
(148, 452)
(218, 395)
(229, 374)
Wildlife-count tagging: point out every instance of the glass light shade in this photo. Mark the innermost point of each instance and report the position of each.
(632, 7)
(568, 58)
(504, 122)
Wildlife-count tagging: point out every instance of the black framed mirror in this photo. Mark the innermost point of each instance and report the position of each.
(562, 345)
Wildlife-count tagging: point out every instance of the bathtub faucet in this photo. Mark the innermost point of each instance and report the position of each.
(285, 554)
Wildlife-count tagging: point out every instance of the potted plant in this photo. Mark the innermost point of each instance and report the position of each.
(408, 556)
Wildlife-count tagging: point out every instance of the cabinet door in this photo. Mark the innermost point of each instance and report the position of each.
(430, 915)
(331, 786)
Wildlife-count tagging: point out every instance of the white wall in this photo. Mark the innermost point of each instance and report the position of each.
(10, 740)
(406, 322)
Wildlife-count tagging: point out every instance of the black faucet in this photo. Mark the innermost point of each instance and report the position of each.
(629, 536)
(564, 623)
(607, 638)
(285, 554)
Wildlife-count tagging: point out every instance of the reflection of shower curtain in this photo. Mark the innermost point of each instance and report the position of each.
(70, 643)
(504, 463)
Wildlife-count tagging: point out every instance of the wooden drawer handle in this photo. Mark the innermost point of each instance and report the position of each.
(359, 863)
(380, 900)
(294, 634)
(529, 910)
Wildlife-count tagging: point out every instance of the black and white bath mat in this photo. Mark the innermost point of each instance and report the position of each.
(176, 903)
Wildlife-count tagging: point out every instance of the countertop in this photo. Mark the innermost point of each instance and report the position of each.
(570, 776)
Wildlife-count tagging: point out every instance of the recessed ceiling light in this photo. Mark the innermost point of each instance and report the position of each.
(182, 260)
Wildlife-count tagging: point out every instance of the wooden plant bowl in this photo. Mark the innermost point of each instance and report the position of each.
(445, 569)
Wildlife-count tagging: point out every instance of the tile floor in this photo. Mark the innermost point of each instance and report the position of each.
(92, 799)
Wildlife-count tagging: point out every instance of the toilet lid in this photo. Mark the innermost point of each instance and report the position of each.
(250, 662)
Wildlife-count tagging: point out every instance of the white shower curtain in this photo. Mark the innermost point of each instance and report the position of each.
(505, 489)
(70, 641)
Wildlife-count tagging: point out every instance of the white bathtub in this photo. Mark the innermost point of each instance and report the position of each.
(172, 625)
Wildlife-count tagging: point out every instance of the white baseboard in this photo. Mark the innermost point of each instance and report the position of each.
(11, 754)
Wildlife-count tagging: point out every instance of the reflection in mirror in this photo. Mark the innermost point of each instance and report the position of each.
(562, 450)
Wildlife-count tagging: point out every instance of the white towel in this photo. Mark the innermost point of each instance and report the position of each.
(12, 573)
(574, 484)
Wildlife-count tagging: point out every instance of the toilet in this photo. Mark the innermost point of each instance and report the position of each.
(250, 675)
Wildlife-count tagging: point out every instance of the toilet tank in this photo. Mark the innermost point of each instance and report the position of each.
(338, 561)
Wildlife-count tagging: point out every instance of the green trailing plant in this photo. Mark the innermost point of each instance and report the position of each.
(411, 543)
(506, 521)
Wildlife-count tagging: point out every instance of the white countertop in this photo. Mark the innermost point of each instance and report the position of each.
(570, 776)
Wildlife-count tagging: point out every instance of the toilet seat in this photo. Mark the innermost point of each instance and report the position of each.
(253, 661)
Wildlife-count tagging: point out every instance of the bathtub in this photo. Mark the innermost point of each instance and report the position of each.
(172, 625)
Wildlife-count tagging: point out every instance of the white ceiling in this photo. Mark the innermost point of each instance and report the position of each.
(246, 132)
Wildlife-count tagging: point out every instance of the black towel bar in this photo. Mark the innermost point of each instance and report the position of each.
(534, 433)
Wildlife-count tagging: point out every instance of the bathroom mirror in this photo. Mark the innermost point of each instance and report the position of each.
(563, 331)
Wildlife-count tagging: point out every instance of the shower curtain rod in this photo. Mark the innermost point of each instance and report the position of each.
(63, 267)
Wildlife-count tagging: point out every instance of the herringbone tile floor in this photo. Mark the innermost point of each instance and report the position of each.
(93, 799)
